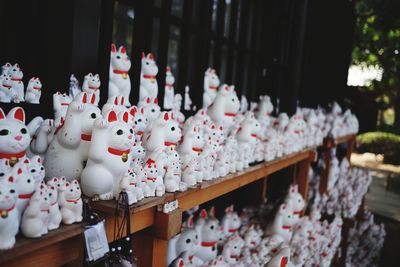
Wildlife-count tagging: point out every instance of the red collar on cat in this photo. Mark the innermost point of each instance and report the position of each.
(166, 143)
(208, 244)
(86, 137)
(196, 149)
(25, 196)
(9, 209)
(232, 230)
(118, 152)
(12, 155)
(149, 76)
(230, 114)
(213, 87)
(120, 72)
(287, 227)
(73, 200)
(93, 87)
(166, 85)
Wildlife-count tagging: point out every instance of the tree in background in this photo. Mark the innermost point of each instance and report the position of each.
(377, 43)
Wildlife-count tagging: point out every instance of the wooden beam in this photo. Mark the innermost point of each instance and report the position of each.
(59, 247)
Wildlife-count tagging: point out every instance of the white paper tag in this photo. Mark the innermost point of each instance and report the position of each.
(96, 241)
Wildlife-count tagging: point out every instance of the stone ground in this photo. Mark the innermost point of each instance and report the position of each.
(385, 204)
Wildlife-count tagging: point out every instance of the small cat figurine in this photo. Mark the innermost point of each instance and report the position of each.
(70, 202)
(25, 185)
(9, 221)
(36, 216)
(36, 169)
(91, 85)
(7, 94)
(16, 82)
(33, 91)
(54, 210)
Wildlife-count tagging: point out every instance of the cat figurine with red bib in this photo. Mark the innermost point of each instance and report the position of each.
(109, 156)
(148, 79)
(33, 91)
(120, 82)
(70, 203)
(9, 220)
(14, 135)
(36, 216)
(69, 148)
(91, 85)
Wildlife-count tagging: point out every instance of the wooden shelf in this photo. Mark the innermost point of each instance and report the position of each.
(143, 213)
(63, 246)
(151, 246)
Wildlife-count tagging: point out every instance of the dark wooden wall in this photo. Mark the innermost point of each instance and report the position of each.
(288, 49)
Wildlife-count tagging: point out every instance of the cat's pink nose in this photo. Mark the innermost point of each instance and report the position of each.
(130, 137)
(18, 137)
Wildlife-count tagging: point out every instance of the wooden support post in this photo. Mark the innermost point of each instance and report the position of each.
(301, 178)
(165, 227)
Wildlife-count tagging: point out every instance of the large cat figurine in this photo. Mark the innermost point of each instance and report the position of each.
(91, 85)
(120, 83)
(69, 148)
(148, 81)
(33, 91)
(14, 135)
(9, 221)
(109, 156)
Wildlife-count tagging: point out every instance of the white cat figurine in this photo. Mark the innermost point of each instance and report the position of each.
(148, 81)
(109, 156)
(169, 89)
(9, 221)
(14, 135)
(60, 106)
(120, 82)
(211, 84)
(91, 85)
(36, 216)
(54, 209)
(70, 203)
(7, 94)
(33, 91)
(16, 82)
(69, 148)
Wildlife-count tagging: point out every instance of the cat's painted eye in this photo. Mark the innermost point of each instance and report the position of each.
(120, 132)
(24, 131)
(118, 57)
(12, 191)
(93, 115)
(4, 132)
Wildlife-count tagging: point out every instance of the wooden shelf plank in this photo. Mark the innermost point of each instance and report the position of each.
(58, 247)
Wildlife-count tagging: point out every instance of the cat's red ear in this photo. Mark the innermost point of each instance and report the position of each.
(112, 116)
(16, 113)
(125, 117)
(2, 115)
(113, 48)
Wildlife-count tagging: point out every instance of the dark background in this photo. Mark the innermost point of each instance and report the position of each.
(296, 51)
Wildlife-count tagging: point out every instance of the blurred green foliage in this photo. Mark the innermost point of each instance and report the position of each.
(384, 143)
(377, 43)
